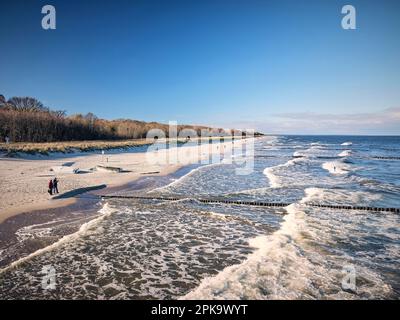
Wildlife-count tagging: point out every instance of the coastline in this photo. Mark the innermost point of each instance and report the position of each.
(54, 203)
(15, 211)
(98, 235)
(24, 180)
(76, 213)
(79, 202)
(51, 203)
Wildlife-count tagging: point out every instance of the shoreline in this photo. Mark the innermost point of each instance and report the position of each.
(37, 198)
(74, 211)
(54, 203)
(87, 209)
(12, 212)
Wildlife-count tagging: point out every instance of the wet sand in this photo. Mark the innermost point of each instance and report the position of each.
(73, 208)
(68, 218)
(24, 181)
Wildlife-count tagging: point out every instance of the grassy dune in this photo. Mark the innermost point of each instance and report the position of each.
(67, 146)
(45, 148)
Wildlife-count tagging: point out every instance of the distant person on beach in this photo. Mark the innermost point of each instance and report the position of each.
(7, 139)
(55, 185)
(50, 191)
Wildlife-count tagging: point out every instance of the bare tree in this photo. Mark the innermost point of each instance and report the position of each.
(27, 104)
(27, 119)
(59, 113)
(3, 102)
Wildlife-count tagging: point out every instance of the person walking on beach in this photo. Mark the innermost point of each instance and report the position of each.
(55, 185)
(50, 191)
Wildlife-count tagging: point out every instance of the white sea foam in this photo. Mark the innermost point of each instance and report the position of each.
(163, 250)
(184, 177)
(338, 196)
(298, 154)
(347, 143)
(345, 153)
(84, 229)
(260, 276)
(218, 215)
(290, 264)
(274, 180)
(312, 152)
(336, 167)
(312, 194)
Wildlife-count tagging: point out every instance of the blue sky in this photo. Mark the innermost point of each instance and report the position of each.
(276, 66)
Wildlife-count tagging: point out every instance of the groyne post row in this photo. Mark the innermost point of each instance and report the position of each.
(253, 203)
(331, 157)
(386, 158)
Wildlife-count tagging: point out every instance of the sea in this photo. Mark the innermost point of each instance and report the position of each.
(150, 248)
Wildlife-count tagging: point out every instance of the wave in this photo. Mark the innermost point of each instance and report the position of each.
(293, 263)
(347, 143)
(274, 180)
(228, 217)
(377, 185)
(345, 153)
(181, 179)
(311, 152)
(258, 276)
(84, 229)
(336, 167)
(339, 196)
(298, 154)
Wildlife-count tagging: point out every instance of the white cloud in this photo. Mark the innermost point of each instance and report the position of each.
(384, 122)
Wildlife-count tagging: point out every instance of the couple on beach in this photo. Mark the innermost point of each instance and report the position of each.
(53, 186)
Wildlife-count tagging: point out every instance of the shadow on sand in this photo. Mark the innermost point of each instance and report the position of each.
(79, 191)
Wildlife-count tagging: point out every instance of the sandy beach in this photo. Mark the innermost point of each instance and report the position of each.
(24, 180)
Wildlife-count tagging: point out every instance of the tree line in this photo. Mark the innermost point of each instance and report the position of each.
(26, 119)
